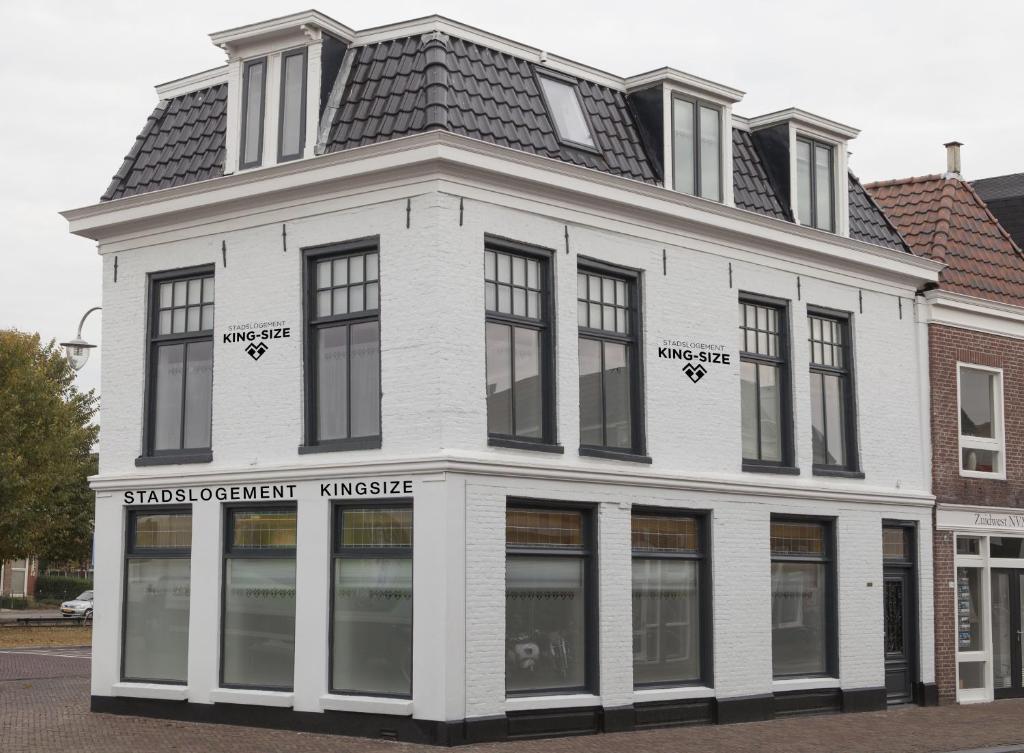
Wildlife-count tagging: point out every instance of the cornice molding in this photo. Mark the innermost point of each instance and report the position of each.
(805, 120)
(481, 466)
(972, 313)
(201, 80)
(439, 154)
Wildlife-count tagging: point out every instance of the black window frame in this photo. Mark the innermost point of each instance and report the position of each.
(548, 442)
(589, 553)
(787, 465)
(633, 339)
(338, 551)
(244, 135)
(132, 552)
(814, 143)
(847, 375)
(154, 340)
(228, 552)
(705, 599)
(830, 559)
(570, 81)
(297, 52)
(312, 323)
(698, 103)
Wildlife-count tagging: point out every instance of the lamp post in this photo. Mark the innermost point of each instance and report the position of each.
(77, 350)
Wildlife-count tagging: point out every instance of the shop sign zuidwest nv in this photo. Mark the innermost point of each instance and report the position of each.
(982, 519)
(268, 492)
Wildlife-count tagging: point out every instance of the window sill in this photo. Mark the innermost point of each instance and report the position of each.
(783, 470)
(679, 693)
(154, 690)
(276, 698)
(519, 444)
(182, 459)
(366, 704)
(629, 457)
(535, 702)
(341, 445)
(983, 474)
(836, 472)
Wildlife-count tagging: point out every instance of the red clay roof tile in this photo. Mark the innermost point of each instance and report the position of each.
(943, 218)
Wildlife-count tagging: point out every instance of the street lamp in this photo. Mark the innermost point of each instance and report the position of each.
(77, 350)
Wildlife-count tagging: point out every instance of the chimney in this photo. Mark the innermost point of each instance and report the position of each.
(953, 159)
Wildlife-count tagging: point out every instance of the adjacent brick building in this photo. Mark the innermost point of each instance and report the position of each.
(975, 321)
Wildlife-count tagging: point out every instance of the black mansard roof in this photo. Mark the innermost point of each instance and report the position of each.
(415, 84)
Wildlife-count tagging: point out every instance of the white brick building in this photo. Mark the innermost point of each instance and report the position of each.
(235, 496)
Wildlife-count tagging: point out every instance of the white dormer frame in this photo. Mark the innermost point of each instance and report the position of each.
(677, 83)
(272, 39)
(830, 132)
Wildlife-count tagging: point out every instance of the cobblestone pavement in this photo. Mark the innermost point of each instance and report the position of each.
(44, 707)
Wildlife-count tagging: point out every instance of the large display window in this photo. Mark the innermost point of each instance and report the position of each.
(258, 624)
(157, 589)
(549, 645)
(803, 598)
(371, 629)
(668, 568)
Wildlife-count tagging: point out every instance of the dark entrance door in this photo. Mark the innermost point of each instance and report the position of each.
(1006, 633)
(899, 599)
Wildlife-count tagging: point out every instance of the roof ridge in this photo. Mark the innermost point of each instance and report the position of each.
(903, 181)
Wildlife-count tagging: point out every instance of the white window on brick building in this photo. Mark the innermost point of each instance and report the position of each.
(980, 402)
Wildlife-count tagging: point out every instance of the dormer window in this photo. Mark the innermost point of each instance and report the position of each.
(815, 183)
(566, 108)
(696, 148)
(292, 128)
(253, 94)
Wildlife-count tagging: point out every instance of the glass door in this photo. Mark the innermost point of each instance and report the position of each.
(1007, 598)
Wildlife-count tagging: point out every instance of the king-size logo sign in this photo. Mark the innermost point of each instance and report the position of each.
(257, 336)
(700, 357)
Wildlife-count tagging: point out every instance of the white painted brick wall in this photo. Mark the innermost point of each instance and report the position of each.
(433, 383)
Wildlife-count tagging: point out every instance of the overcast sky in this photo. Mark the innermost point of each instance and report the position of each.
(77, 79)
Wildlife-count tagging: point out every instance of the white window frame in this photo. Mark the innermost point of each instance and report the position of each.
(998, 442)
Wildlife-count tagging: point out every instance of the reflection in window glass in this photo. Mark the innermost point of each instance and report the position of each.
(372, 634)
(830, 382)
(345, 327)
(710, 153)
(567, 111)
(545, 600)
(293, 103)
(815, 184)
(252, 126)
(761, 382)
(969, 608)
(666, 599)
(805, 203)
(259, 622)
(801, 576)
(977, 397)
(684, 130)
(157, 593)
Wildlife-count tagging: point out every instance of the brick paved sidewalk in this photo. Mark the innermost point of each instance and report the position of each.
(44, 707)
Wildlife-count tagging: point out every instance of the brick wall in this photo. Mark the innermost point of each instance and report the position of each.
(947, 346)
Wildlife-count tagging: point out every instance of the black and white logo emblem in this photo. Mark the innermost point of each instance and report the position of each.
(255, 350)
(696, 373)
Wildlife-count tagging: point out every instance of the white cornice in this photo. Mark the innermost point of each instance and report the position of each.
(310, 19)
(971, 313)
(806, 120)
(201, 80)
(685, 81)
(440, 155)
(541, 469)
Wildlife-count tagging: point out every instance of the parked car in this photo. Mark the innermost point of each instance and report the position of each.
(80, 606)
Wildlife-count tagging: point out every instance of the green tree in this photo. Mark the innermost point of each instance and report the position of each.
(46, 439)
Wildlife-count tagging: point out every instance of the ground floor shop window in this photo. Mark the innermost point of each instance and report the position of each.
(803, 601)
(156, 596)
(548, 641)
(259, 599)
(667, 591)
(372, 623)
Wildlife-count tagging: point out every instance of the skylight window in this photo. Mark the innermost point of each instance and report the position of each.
(566, 110)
